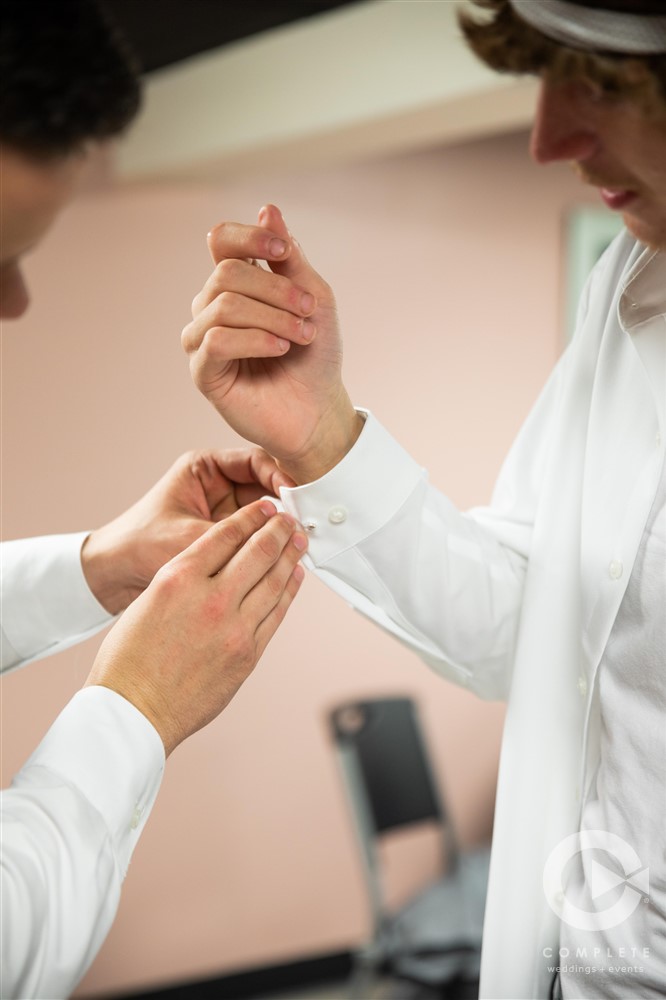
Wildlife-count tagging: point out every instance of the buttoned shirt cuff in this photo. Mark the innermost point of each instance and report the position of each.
(46, 601)
(107, 750)
(358, 496)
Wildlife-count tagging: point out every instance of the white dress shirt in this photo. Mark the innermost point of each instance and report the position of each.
(74, 812)
(517, 600)
(627, 798)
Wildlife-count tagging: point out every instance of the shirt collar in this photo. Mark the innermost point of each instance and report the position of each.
(644, 294)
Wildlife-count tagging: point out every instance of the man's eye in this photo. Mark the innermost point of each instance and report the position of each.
(602, 92)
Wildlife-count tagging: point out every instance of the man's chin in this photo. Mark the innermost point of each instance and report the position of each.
(652, 234)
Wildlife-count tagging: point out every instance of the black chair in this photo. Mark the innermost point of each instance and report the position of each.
(435, 939)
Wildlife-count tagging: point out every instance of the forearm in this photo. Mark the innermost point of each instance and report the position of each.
(70, 822)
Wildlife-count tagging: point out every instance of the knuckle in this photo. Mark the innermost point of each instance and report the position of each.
(220, 236)
(227, 271)
(268, 545)
(261, 463)
(212, 345)
(292, 296)
(195, 308)
(231, 532)
(240, 646)
(226, 305)
(169, 577)
(279, 613)
(198, 370)
(187, 339)
(281, 287)
(192, 460)
(215, 608)
(274, 586)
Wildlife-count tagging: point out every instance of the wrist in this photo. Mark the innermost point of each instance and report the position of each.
(335, 436)
(105, 572)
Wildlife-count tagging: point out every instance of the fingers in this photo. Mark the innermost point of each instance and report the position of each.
(217, 547)
(246, 312)
(275, 616)
(231, 479)
(264, 470)
(254, 564)
(242, 551)
(261, 332)
(251, 472)
(267, 593)
(254, 282)
(233, 311)
(295, 265)
(231, 239)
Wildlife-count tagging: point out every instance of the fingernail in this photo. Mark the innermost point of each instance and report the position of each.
(277, 248)
(283, 344)
(298, 573)
(309, 330)
(307, 302)
(300, 541)
(267, 508)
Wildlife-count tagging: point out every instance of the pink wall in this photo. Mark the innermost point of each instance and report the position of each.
(447, 268)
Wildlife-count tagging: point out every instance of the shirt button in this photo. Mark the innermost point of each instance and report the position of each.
(309, 525)
(615, 569)
(582, 686)
(337, 515)
(136, 817)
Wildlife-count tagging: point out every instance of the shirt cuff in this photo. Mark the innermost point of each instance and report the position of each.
(358, 496)
(45, 597)
(103, 746)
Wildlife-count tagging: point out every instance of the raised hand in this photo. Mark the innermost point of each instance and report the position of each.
(265, 348)
(184, 647)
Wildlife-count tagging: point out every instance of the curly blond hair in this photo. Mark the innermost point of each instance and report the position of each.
(510, 45)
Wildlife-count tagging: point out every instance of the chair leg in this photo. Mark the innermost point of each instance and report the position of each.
(365, 973)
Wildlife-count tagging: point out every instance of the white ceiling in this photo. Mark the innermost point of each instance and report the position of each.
(366, 80)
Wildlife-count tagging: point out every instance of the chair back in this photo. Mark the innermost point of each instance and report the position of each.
(388, 778)
(384, 737)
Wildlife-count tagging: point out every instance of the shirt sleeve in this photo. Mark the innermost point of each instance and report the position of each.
(45, 600)
(447, 584)
(70, 822)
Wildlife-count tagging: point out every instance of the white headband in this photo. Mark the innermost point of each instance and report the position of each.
(591, 28)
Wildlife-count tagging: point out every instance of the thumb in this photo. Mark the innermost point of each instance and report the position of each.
(296, 266)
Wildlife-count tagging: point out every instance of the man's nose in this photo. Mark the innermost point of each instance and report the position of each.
(563, 127)
(14, 297)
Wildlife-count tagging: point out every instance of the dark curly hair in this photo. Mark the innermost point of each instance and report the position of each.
(66, 76)
(510, 45)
